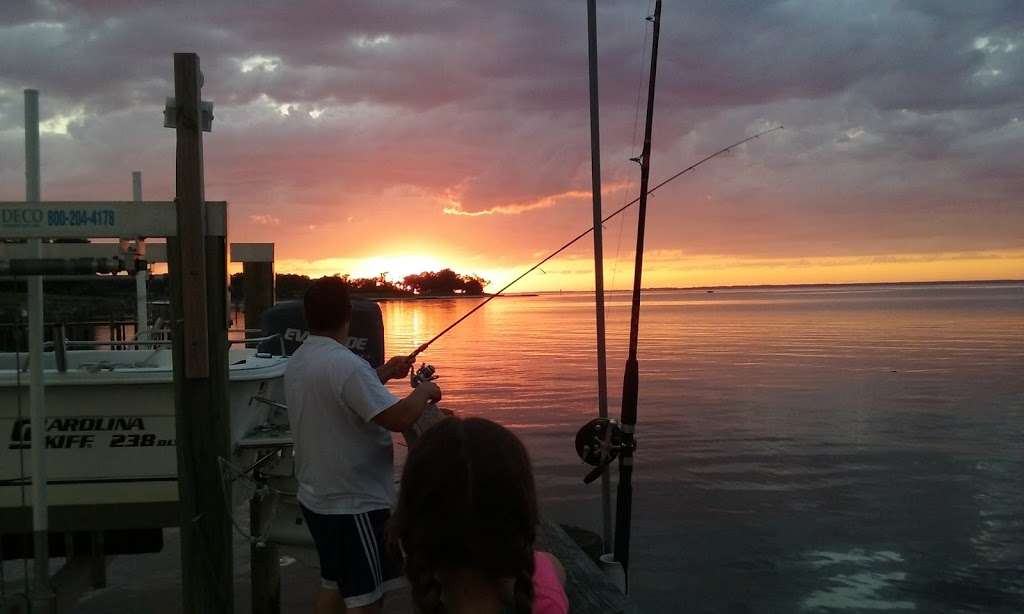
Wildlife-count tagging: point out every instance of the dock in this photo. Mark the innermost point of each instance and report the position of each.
(588, 589)
(151, 583)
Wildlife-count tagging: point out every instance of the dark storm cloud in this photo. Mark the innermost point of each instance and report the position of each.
(894, 109)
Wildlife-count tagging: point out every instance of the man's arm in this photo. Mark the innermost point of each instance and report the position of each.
(403, 414)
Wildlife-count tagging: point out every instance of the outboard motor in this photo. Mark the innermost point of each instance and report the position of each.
(366, 333)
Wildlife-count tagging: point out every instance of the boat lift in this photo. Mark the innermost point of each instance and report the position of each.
(257, 260)
(196, 232)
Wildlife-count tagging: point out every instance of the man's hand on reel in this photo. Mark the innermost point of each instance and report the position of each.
(395, 368)
(425, 376)
(430, 390)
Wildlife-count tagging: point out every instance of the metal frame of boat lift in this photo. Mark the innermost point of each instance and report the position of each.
(196, 232)
(257, 260)
(94, 220)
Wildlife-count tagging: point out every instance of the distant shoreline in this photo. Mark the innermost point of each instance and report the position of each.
(696, 288)
(437, 297)
(959, 282)
(785, 286)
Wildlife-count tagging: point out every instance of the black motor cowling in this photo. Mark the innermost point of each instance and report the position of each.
(366, 333)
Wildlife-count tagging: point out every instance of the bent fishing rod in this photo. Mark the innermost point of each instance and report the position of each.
(583, 234)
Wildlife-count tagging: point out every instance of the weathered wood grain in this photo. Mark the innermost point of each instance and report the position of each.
(198, 275)
(191, 214)
(589, 591)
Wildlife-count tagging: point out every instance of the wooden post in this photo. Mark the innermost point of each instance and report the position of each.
(258, 284)
(191, 209)
(141, 297)
(98, 557)
(257, 278)
(264, 565)
(198, 275)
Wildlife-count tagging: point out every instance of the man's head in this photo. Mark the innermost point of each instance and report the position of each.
(327, 307)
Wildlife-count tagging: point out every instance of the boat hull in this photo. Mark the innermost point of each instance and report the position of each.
(110, 438)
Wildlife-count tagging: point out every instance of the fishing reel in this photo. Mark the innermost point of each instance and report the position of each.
(598, 443)
(432, 414)
(426, 373)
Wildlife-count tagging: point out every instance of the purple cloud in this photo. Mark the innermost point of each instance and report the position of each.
(904, 118)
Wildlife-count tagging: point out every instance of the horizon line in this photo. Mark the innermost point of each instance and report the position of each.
(804, 285)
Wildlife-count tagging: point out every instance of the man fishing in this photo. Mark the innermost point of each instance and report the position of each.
(342, 416)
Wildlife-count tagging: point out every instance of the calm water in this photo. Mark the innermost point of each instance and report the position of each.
(801, 450)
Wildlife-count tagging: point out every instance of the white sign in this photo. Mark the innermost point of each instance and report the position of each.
(98, 220)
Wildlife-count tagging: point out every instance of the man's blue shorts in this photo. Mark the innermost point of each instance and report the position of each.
(354, 557)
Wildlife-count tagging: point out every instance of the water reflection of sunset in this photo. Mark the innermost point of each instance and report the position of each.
(532, 360)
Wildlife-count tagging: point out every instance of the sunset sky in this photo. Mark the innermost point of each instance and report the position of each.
(402, 136)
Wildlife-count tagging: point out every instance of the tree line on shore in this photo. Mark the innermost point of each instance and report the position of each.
(445, 282)
(114, 298)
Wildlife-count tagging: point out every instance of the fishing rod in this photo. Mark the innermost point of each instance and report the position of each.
(631, 373)
(583, 234)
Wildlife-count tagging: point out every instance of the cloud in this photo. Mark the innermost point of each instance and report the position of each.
(902, 134)
(455, 206)
(260, 63)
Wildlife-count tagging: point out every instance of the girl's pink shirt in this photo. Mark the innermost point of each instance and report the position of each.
(548, 594)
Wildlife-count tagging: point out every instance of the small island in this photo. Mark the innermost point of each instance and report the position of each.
(428, 284)
(110, 300)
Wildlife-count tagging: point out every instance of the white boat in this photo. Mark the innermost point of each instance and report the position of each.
(110, 431)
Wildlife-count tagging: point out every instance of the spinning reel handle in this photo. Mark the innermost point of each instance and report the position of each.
(595, 472)
(426, 373)
(598, 443)
(432, 414)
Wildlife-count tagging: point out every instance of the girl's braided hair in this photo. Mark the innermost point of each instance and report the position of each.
(467, 501)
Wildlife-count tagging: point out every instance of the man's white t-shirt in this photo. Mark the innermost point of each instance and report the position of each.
(344, 461)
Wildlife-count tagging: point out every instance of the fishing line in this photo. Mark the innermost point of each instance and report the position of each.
(643, 79)
(618, 248)
(642, 70)
(566, 246)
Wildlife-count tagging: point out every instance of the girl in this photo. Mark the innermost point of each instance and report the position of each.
(466, 521)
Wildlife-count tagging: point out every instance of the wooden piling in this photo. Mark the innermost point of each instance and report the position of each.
(191, 201)
(257, 278)
(259, 290)
(264, 565)
(198, 274)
